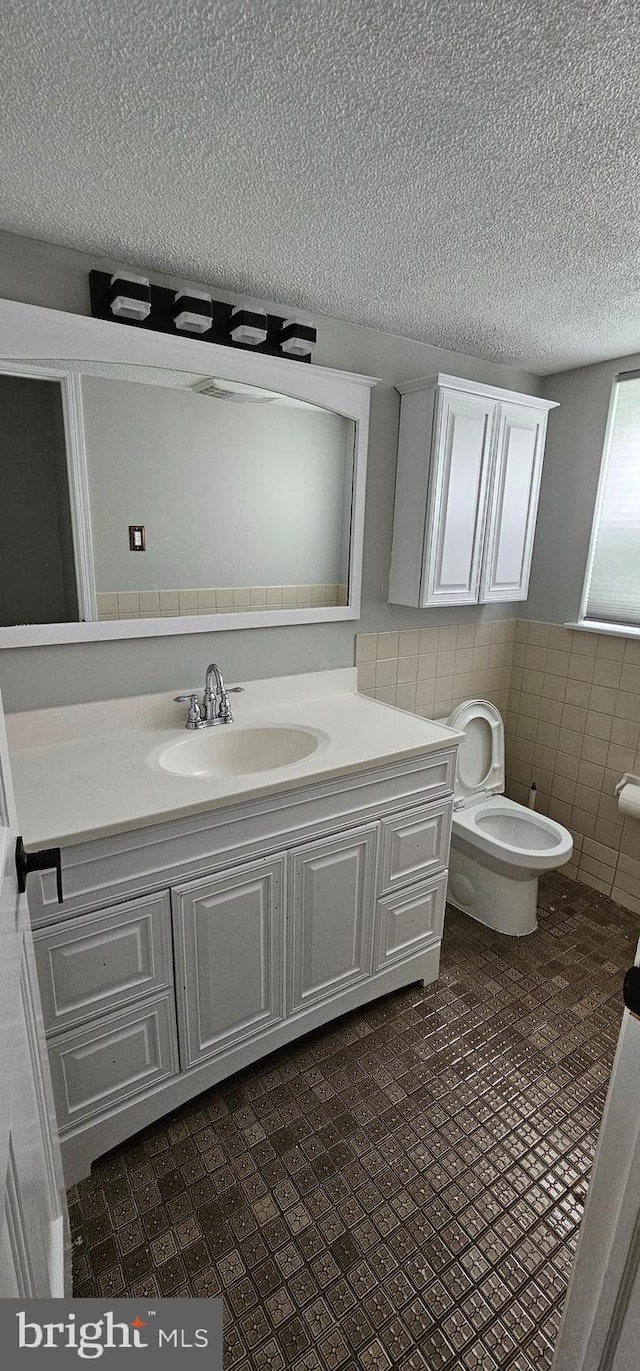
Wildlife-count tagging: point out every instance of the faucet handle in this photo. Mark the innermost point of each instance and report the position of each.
(224, 708)
(194, 717)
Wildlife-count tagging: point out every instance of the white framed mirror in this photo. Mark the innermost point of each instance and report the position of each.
(155, 485)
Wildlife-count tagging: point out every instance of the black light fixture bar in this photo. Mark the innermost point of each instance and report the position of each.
(161, 318)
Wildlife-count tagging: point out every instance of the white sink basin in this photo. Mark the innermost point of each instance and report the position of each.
(231, 751)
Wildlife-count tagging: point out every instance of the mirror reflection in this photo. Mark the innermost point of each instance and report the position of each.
(203, 496)
(37, 566)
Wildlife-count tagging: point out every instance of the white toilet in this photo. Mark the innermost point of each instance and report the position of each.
(498, 848)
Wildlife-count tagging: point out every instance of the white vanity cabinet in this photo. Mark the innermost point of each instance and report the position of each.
(277, 913)
(467, 488)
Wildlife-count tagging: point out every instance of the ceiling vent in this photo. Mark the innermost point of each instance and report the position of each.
(235, 391)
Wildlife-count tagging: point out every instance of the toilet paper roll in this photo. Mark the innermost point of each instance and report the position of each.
(629, 800)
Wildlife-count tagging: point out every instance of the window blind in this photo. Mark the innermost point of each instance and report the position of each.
(613, 580)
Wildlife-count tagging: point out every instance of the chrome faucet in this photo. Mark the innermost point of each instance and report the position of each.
(214, 708)
(215, 703)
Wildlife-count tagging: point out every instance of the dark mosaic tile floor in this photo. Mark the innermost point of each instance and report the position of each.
(401, 1189)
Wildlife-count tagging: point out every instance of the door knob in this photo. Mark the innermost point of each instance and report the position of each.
(631, 990)
(37, 861)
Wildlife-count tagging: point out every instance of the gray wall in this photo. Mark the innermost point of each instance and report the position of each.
(569, 487)
(230, 494)
(39, 273)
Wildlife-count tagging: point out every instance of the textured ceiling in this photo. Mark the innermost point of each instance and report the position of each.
(464, 172)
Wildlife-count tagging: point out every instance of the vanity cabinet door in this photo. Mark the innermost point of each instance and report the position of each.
(513, 507)
(228, 949)
(331, 916)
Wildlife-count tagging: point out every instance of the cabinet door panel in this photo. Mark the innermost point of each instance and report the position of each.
(514, 503)
(331, 924)
(457, 499)
(228, 936)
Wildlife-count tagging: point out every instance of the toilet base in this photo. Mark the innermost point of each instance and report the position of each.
(499, 897)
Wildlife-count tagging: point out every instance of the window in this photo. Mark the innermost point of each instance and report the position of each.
(612, 586)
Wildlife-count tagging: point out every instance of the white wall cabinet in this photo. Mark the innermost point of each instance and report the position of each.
(467, 487)
(277, 916)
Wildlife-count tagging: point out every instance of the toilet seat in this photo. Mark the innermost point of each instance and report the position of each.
(480, 766)
(507, 832)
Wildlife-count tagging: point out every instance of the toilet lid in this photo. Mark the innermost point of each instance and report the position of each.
(480, 766)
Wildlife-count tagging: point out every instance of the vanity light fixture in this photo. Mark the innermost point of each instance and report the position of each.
(248, 325)
(130, 296)
(298, 340)
(192, 310)
(189, 311)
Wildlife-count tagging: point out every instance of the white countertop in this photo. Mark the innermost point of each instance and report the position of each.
(82, 772)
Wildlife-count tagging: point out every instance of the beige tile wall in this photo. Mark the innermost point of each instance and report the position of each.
(430, 670)
(571, 705)
(167, 604)
(573, 727)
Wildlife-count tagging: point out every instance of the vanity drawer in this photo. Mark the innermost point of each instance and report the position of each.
(414, 845)
(103, 1065)
(410, 921)
(102, 961)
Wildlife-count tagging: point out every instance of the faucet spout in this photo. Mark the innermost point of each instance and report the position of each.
(215, 703)
(214, 673)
